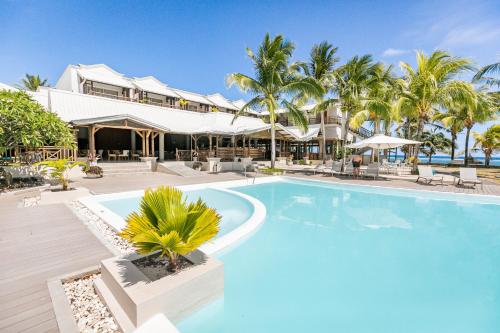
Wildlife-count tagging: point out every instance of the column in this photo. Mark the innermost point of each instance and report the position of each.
(92, 140)
(132, 141)
(161, 140)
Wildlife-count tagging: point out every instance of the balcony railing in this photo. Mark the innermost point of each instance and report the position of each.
(150, 102)
(102, 94)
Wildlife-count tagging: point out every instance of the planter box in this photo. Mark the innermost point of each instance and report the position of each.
(176, 296)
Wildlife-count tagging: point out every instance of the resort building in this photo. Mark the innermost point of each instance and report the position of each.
(117, 116)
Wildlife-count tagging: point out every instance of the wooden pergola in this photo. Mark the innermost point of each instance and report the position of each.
(147, 132)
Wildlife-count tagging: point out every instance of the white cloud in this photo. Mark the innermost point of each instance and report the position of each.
(477, 34)
(390, 52)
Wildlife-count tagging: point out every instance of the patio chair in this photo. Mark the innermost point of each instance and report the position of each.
(425, 172)
(112, 155)
(98, 156)
(136, 155)
(372, 170)
(124, 154)
(469, 176)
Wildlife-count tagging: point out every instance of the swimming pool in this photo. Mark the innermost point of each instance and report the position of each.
(234, 210)
(335, 258)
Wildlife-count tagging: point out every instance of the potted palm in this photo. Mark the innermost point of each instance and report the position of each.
(166, 232)
(169, 224)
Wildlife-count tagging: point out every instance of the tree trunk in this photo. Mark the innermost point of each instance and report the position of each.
(453, 142)
(172, 263)
(420, 130)
(273, 144)
(487, 158)
(323, 131)
(346, 117)
(430, 158)
(466, 158)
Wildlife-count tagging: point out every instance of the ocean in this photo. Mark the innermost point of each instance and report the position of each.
(443, 159)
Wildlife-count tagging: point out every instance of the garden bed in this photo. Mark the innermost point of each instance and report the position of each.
(155, 267)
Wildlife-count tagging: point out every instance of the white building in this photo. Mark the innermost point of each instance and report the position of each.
(147, 117)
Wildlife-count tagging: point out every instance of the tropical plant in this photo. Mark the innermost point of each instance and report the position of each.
(24, 122)
(32, 82)
(483, 75)
(488, 142)
(454, 125)
(59, 170)
(322, 59)
(166, 222)
(95, 170)
(467, 115)
(351, 84)
(276, 84)
(431, 85)
(433, 141)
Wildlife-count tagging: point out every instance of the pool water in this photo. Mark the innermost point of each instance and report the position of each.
(348, 259)
(234, 210)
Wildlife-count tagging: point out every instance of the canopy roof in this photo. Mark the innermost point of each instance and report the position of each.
(380, 141)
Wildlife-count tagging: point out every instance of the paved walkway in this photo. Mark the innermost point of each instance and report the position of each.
(38, 243)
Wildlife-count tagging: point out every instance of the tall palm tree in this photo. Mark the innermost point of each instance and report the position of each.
(276, 84)
(351, 84)
(32, 82)
(431, 85)
(322, 59)
(484, 75)
(489, 142)
(468, 114)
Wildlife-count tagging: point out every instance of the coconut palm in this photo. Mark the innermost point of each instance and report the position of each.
(485, 75)
(453, 125)
(488, 142)
(322, 59)
(32, 82)
(433, 141)
(431, 85)
(467, 115)
(351, 83)
(166, 222)
(276, 84)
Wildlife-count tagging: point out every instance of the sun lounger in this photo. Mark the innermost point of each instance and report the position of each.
(425, 173)
(469, 176)
(335, 169)
(372, 170)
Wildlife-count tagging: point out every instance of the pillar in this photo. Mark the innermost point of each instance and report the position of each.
(92, 140)
(161, 140)
(132, 140)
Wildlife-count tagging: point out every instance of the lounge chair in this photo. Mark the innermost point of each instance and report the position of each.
(469, 176)
(349, 170)
(372, 170)
(336, 169)
(323, 167)
(425, 173)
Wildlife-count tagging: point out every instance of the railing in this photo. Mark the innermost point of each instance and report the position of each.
(150, 102)
(47, 153)
(101, 94)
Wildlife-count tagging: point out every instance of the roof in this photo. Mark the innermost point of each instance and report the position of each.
(221, 101)
(4, 86)
(80, 108)
(104, 74)
(153, 85)
(193, 97)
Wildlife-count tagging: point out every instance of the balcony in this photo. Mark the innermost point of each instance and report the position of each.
(105, 93)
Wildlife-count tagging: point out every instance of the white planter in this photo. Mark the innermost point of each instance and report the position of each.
(176, 295)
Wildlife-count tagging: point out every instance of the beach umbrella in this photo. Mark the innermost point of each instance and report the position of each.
(381, 141)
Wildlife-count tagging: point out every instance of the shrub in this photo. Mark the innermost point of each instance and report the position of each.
(59, 170)
(166, 222)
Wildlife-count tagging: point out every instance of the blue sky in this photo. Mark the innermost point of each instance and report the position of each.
(192, 45)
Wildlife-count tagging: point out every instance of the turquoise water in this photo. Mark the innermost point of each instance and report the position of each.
(443, 159)
(234, 210)
(347, 259)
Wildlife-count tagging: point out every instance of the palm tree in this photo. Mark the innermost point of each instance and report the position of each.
(351, 84)
(320, 68)
(59, 170)
(431, 85)
(481, 75)
(276, 84)
(32, 82)
(454, 125)
(468, 114)
(433, 142)
(489, 142)
(166, 222)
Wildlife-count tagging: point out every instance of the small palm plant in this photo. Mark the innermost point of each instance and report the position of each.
(166, 222)
(59, 169)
